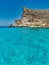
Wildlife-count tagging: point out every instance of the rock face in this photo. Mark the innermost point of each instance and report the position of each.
(33, 18)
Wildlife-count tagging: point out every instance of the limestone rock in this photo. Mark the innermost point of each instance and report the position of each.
(33, 18)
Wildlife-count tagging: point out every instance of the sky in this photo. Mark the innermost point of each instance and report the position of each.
(12, 9)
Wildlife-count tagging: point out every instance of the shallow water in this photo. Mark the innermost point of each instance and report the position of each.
(24, 46)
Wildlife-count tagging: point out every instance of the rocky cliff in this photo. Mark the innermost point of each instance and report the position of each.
(33, 18)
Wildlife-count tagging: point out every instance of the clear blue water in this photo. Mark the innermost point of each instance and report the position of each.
(24, 46)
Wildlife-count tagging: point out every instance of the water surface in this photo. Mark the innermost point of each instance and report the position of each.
(24, 46)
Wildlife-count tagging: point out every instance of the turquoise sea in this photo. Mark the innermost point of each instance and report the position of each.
(24, 46)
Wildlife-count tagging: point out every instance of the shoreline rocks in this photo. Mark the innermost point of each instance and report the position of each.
(33, 18)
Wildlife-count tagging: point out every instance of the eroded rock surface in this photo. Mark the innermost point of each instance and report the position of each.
(33, 18)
